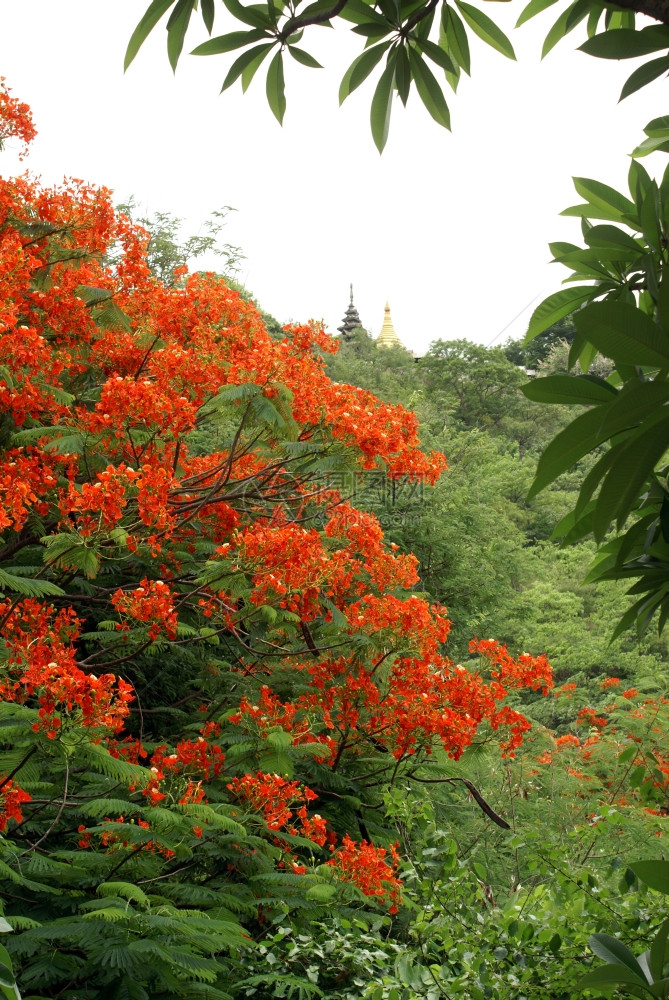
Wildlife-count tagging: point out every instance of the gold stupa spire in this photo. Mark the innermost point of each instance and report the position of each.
(388, 337)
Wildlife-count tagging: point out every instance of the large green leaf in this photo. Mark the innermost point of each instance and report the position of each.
(360, 13)
(611, 950)
(602, 196)
(429, 90)
(622, 332)
(612, 236)
(584, 389)
(565, 23)
(304, 57)
(486, 29)
(402, 74)
(643, 75)
(633, 466)
(611, 975)
(625, 43)
(208, 12)
(581, 436)
(436, 54)
(657, 954)
(246, 65)
(275, 88)
(454, 31)
(382, 105)
(556, 307)
(249, 15)
(654, 874)
(227, 43)
(360, 69)
(637, 401)
(177, 26)
(150, 19)
(533, 8)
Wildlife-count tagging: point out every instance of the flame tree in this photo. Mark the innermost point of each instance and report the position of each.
(212, 665)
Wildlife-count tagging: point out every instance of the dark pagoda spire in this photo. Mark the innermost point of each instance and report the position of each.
(351, 320)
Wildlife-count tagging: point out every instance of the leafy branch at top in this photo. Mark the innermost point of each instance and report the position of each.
(415, 47)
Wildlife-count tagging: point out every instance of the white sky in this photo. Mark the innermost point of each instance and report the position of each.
(451, 228)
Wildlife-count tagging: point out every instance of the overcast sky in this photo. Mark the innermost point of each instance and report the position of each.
(451, 228)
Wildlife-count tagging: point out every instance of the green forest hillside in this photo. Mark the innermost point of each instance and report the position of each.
(485, 550)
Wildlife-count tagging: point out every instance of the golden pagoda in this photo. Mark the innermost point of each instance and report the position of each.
(388, 337)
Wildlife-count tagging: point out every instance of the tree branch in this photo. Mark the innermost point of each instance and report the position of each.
(295, 23)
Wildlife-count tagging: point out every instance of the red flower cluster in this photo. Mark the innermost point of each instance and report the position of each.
(193, 756)
(281, 801)
(151, 602)
(372, 869)
(12, 797)
(15, 119)
(43, 670)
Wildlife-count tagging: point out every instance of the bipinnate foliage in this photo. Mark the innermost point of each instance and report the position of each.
(213, 667)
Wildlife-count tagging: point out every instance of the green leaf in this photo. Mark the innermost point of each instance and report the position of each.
(152, 15)
(634, 403)
(654, 874)
(275, 88)
(612, 950)
(611, 236)
(360, 13)
(208, 12)
(631, 470)
(658, 951)
(382, 105)
(373, 30)
(428, 89)
(304, 58)
(486, 29)
(610, 975)
(624, 333)
(456, 36)
(436, 54)
(584, 389)
(626, 43)
(643, 75)
(246, 66)
(226, 43)
(570, 445)
(602, 196)
(248, 15)
(565, 23)
(556, 307)
(403, 74)
(177, 26)
(533, 8)
(360, 69)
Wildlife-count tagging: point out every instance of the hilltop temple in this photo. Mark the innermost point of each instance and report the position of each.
(386, 338)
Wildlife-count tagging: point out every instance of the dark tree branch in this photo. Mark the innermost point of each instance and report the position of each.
(476, 795)
(295, 23)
